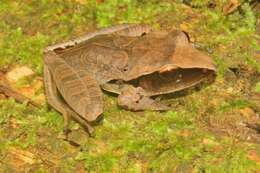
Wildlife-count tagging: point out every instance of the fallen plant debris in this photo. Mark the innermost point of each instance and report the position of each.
(8, 91)
(254, 126)
(17, 73)
(231, 6)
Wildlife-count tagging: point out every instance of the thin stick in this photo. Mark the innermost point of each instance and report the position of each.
(8, 91)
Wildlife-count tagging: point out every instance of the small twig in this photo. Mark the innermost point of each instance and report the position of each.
(8, 91)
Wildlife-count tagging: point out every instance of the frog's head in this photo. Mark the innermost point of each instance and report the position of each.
(175, 51)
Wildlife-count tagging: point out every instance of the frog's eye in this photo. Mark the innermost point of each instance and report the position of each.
(59, 49)
(125, 68)
(62, 49)
(143, 34)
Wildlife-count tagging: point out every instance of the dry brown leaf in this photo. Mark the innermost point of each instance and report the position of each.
(41, 99)
(18, 73)
(23, 155)
(184, 27)
(252, 155)
(30, 91)
(2, 96)
(231, 6)
(27, 91)
(80, 167)
(18, 158)
(100, 1)
(13, 123)
(8, 91)
(248, 113)
(82, 2)
(184, 133)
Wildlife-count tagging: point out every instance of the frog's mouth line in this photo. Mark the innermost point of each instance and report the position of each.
(173, 80)
(165, 82)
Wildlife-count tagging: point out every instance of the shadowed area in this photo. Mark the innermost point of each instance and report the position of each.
(174, 80)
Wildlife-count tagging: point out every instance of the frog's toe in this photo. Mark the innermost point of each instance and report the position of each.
(146, 103)
(157, 106)
(134, 99)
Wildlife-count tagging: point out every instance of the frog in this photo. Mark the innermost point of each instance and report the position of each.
(133, 61)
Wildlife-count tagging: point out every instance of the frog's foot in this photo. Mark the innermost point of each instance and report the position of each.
(69, 114)
(90, 130)
(66, 129)
(134, 99)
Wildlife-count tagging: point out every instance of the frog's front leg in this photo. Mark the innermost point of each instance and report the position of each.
(57, 103)
(135, 99)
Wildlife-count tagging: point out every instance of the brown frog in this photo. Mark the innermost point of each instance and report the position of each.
(132, 61)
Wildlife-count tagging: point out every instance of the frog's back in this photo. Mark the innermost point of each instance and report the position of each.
(99, 56)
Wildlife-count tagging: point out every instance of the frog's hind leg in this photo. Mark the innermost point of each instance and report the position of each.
(57, 103)
(53, 98)
(134, 99)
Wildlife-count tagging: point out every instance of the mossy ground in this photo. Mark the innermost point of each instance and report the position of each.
(204, 132)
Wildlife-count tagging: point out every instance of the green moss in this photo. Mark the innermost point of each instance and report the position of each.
(234, 104)
(28, 121)
(17, 47)
(114, 11)
(257, 87)
(231, 159)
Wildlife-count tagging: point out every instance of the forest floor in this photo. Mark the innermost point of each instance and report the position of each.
(215, 128)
